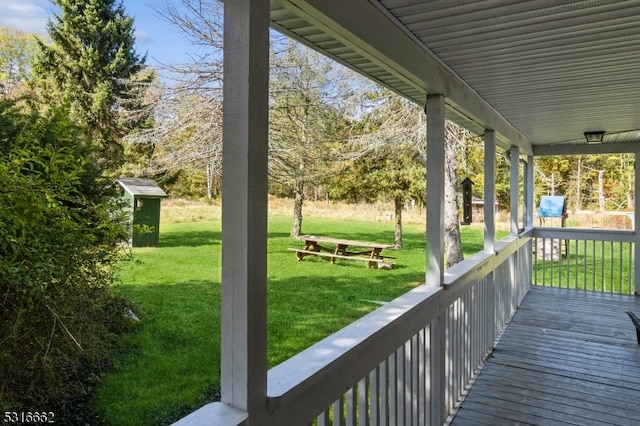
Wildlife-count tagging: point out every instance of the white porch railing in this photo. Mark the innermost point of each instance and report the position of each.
(378, 370)
(586, 259)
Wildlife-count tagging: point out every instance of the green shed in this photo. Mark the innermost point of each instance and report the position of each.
(143, 198)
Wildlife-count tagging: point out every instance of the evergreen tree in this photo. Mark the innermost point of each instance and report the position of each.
(89, 69)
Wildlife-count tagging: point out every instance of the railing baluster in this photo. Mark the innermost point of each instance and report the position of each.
(323, 419)
(401, 386)
(560, 282)
(451, 349)
(363, 401)
(586, 265)
(534, 265)
(351, 417)
(632, 268)
(338, 412)
(593, 260)
(393, 390)
(456, 350)
(611, 272)
(422, 377)
(415, 378)
(620, 271)
(385, 395)
(374, 397)
(551, 263)
(408, 382)
(466, 329)
(603, 265)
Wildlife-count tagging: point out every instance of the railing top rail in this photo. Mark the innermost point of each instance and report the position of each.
(479, 265)
(585, 234)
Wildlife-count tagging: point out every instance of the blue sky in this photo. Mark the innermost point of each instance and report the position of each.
(155, 37)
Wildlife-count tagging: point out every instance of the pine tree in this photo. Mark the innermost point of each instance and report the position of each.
(89, 69)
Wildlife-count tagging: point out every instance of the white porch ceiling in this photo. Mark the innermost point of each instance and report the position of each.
(538, 72)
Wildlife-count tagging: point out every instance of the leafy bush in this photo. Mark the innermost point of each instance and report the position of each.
(58, 246)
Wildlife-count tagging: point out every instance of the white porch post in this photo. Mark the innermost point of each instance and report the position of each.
(244, 205)
(489, 191)
(636, 218)
(435, 109)
(490, 226)
(528, 192)
(435, 189)
(515, 188)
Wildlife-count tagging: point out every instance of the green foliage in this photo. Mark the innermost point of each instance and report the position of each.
(57, 252)
(143, 229)
(16, 49)
(590, 182)
(397, 171)
(190, 182)
(88, 70)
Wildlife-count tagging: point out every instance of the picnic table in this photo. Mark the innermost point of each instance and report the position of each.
(336, 248)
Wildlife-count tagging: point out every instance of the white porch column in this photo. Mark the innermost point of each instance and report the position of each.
(636, 219)
(515, 188)
(489, 191)
(435, 189)
(435, 109)
(490, 226)
(528, 192)
(244, 205)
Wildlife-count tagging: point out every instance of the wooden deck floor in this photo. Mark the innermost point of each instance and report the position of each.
(568, 357)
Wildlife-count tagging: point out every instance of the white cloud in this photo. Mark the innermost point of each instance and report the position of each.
(26, 15)
(143, 37)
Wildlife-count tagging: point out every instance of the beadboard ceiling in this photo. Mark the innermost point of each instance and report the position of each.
(538, 72)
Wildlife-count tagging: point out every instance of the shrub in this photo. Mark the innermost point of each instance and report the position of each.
(58, 247)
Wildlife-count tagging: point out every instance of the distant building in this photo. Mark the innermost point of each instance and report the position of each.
(143, 198)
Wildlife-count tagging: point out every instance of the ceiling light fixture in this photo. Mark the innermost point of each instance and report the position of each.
(594, 137)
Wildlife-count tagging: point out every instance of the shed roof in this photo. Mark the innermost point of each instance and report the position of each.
(139, 186)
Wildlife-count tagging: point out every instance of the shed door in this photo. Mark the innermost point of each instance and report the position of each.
(146, 221)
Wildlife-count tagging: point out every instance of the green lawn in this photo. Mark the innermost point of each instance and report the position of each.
(172, 362)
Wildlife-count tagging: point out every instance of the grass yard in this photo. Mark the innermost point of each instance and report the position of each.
(172, 363)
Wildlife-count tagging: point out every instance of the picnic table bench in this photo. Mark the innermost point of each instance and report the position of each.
(336, 248)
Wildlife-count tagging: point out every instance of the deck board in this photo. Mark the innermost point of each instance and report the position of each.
(567, 357)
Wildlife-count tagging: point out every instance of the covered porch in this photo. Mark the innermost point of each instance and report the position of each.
(532, 78)
(566, 357)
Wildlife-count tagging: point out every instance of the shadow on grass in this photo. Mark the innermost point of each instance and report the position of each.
(197, 238)
(347, 264)
(190, 239)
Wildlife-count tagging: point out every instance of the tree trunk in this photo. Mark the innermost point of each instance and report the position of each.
(579, 185)
(398, 229)
(601, 190)
(209, 180)
(296, 229)
(452, 240)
